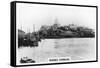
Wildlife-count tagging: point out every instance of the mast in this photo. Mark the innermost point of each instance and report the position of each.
(29, 33)
(56, 20)
(21, 27)
(33, 28)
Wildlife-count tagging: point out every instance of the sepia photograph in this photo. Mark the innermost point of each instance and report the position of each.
(52, 33)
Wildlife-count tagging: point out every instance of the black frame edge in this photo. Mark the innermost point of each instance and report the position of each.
(97, 33)
(13, 34)
(54, 4)
(78, 62)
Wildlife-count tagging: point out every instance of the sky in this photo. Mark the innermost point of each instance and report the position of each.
(29, 15)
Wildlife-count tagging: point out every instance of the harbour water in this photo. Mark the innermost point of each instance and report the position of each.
(77, 49)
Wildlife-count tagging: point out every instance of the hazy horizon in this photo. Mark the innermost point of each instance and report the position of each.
(38, 15)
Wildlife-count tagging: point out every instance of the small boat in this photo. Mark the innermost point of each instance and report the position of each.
(26, 60)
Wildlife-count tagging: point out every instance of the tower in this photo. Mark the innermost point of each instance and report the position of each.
(56, 23)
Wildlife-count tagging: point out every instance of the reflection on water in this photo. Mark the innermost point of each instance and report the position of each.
(76, 48)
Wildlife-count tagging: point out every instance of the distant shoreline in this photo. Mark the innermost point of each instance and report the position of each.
(64, 37)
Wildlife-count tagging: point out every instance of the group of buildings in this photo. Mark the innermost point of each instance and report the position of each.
(55, 31)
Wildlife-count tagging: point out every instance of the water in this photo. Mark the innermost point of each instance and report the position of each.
(78, 49)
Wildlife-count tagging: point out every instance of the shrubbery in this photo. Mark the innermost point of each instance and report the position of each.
(65, 31)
